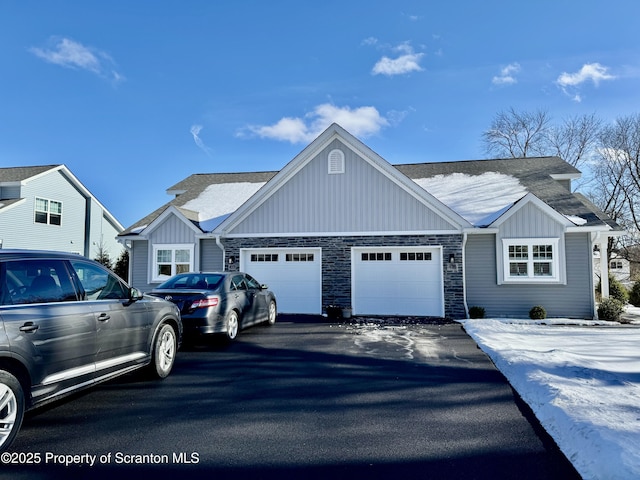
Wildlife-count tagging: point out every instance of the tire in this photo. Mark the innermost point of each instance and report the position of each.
(272, 313)
(165, 346)
(11, 408)
(233, 325)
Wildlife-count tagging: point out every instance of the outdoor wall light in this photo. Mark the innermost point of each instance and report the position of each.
(452, 257)
(232, 260)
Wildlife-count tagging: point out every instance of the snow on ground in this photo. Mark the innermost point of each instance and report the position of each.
(582, 381)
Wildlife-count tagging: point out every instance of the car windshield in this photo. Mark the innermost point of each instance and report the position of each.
(200, 281)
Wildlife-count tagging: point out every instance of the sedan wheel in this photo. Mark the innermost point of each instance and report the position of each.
(164, 352)
(273, 313)
(11, 408)
(233, 325)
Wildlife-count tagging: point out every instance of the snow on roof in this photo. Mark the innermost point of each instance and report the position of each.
(218, 201)
(480, 199)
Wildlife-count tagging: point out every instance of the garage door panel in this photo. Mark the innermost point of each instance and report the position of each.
(397, 281)
(294, 275)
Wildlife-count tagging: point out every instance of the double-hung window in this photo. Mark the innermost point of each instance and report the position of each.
(48, 211)
(531, 260)
(169, 260)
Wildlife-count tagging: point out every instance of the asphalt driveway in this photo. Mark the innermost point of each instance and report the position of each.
(304, 399)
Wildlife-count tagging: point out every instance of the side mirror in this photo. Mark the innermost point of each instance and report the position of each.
(264, 286)
(135, 294)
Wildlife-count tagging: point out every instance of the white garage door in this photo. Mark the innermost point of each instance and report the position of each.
(294, 275)
(397, 281)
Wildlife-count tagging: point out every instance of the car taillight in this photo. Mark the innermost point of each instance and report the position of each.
(206, 302)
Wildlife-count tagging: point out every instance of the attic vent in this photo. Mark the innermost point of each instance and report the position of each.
(336, 161)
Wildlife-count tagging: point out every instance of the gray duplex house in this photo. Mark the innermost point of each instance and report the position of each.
(339, 225)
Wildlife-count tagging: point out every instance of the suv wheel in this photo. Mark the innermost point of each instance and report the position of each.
(11, 408)
(164, 351)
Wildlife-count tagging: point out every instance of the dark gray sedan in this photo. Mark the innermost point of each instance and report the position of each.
(218, 302)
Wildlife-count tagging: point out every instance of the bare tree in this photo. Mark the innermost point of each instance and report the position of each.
(516, 134)
(575, 139)
(617, 180)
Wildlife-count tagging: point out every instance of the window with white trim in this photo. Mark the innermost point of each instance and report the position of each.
(534, 259)
(616, 265)
(48, 211)
(169, 260)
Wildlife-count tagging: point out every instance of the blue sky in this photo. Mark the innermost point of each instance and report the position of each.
(134, 96)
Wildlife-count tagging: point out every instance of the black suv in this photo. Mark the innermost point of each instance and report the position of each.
(67, 323)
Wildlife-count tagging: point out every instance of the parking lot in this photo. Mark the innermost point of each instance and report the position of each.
(304, 398)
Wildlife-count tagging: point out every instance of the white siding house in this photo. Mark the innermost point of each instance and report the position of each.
(47, 208)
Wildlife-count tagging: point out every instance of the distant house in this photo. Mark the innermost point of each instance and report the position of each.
(339, 225)
(619, 268)
(46, 207)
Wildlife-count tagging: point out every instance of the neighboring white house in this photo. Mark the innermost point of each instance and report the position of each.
(47, 208)
(619, 268)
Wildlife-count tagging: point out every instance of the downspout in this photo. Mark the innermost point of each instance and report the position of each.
(465, 236)
(221, 247)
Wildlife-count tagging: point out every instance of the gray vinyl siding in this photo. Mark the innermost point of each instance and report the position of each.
(210, 256)
(19, 229)
(573, 300)
(139, 265)
(10, 192)
(172, 231)
(531, 222)
(360, 200)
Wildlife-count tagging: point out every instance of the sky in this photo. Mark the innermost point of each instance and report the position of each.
(134, 96)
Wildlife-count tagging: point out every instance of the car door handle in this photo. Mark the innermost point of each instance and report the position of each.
(29, 327)
(103, 317)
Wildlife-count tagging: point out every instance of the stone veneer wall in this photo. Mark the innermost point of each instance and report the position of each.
(336, 262)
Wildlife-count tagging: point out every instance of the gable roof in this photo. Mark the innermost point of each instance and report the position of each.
(12, 176)
(471, 193)
(365, 154)
(476, 187)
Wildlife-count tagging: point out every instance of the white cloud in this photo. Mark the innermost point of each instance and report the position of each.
(68, 53)
(361, 122)
(407, 62)
(195, 132)
(594, 72)
(506, 76)
(590, 71)
(370, 41)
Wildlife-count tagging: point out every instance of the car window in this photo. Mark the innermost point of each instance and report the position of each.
(252, 282)
(238, 283)
(98, 283)
(36, 281)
